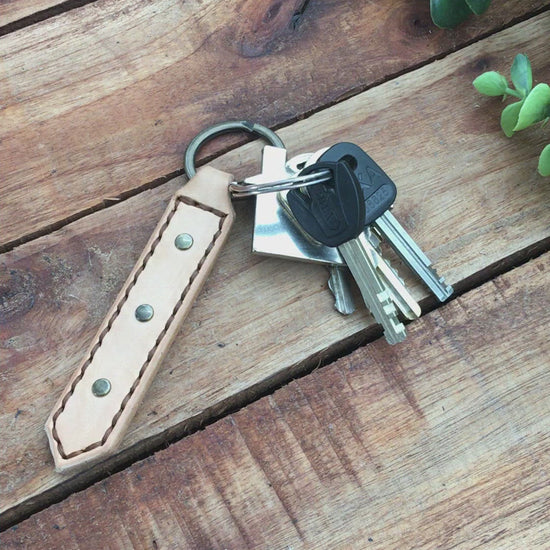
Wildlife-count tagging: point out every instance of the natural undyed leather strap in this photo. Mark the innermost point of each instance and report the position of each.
(126, 352)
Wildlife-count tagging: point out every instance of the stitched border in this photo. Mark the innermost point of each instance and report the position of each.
(116, 312)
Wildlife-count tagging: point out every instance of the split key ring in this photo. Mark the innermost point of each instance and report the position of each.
(246, 188)
(225, 128)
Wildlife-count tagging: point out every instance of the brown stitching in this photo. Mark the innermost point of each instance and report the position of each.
(192, 202)
(135, 385)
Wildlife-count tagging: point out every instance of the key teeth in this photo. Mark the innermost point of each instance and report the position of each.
(393, 269)
(445, 290)
(375, 293)
(394, 234)
(399, 334)
(448, 291)
(394, 339)
(387, 304)
(375, 242)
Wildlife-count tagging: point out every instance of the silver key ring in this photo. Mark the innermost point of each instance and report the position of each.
(244, 189)
(226, 127)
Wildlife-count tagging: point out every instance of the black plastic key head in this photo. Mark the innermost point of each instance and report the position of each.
(332, 212)
(378, 189)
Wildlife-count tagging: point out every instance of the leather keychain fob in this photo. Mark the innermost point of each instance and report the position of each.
(96, 407)
(93, 412)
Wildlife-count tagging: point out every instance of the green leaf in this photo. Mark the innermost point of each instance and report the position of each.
(544, 161)
(478, 6)
(509, 117)
(522, 76)
(534, 107)
(491, 83)
(447, 14)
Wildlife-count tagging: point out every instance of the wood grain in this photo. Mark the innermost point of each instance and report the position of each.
(440, 443)
(14, 10)
(260, 320)
(103, 99)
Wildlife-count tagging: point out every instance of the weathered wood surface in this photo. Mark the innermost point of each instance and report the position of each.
(260, 320)
(103, 99)
(14, 10)
(440, 443)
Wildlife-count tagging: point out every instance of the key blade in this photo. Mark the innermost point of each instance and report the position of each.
(400, 295)
(412, 255)
(338, 284)
(378, 299)
(408, 306)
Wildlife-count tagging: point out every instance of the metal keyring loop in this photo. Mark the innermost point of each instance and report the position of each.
(226, 127)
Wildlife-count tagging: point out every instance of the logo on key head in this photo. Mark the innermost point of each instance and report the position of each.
(369, 178)
(328, 208)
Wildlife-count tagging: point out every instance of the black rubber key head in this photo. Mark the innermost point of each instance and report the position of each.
(378, 189)
(332, 212)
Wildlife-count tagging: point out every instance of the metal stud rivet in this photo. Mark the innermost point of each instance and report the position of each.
(184, 241)
(101, 387)
(144, 312)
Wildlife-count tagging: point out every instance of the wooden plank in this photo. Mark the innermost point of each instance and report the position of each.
(259, 320)
(103, 99)
(442, 443)
(14, 10)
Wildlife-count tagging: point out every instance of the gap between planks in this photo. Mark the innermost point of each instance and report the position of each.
(32, 18)
(152, 445)
(42, 15)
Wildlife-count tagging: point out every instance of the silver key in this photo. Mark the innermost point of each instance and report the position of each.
(275, 234)
(339, 285)
(358, 254)
(379, 189)
(340, 224)
(399, 293)
(404, 246)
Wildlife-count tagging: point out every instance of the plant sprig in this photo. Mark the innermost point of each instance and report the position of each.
(532, 107)
(447, 14)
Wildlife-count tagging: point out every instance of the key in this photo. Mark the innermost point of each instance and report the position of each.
(399, 293)
(275, 234)
(334, 214)
(338, 282)
(339, 285)
(380, 192)
(378, 197)
(410, 253)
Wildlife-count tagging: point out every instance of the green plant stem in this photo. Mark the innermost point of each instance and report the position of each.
(515, 93)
